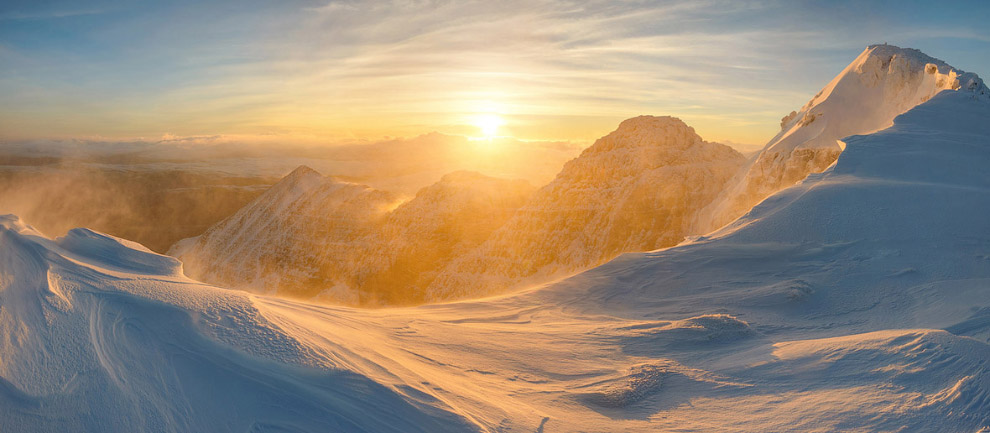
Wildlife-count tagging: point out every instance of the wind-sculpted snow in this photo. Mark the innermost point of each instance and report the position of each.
(856, 300)
(312, 236)
(636, 189)
(883, 82)
(111, 252)
(871, 280)
(128, 349)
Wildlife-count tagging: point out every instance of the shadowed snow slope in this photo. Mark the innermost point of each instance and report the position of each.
(883, 82)
(857, 300)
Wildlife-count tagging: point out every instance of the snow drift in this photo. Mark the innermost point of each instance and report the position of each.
(101, 334)
(856, 300)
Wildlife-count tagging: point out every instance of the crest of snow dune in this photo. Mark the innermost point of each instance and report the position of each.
(635, 189)
(883, 82)
(96, 337)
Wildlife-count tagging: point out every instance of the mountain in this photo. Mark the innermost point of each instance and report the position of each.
(871, 280)
(647, 185)
(297, 235)
(857, 300)
(636, 189)
(315, 236)
(442, 222)
(883, 82)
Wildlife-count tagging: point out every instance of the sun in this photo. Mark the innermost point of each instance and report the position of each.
(488, 124)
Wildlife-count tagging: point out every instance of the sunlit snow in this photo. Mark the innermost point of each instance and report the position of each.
(856, 300)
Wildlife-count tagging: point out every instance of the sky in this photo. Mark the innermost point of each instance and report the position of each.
(323, 72)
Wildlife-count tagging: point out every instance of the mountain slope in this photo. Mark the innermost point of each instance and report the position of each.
(883, 82)
(313, 236)
(866, 278)
(636, 189)
(419, 238)
(855, 301)
(101, 334)
(296, 236)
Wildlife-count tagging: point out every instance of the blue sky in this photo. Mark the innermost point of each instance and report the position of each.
(323, 71)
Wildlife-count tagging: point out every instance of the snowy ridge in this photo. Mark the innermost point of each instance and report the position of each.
(874, 272)
(883, 82)
(91, 348)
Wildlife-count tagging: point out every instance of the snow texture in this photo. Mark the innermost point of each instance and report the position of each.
(856, 300)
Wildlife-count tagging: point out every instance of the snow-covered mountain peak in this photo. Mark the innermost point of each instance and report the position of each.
(635, 189)
(651, 131)
(649, 124)
(302, 172)
(300, 181)
(883, 82)
(881, 59)
(312, 235)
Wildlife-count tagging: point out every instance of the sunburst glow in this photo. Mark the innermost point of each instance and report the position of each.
(489, 124)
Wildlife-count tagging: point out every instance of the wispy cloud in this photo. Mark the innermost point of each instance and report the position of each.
(357, 68)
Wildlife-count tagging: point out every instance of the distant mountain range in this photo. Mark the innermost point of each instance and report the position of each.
(649, 184)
